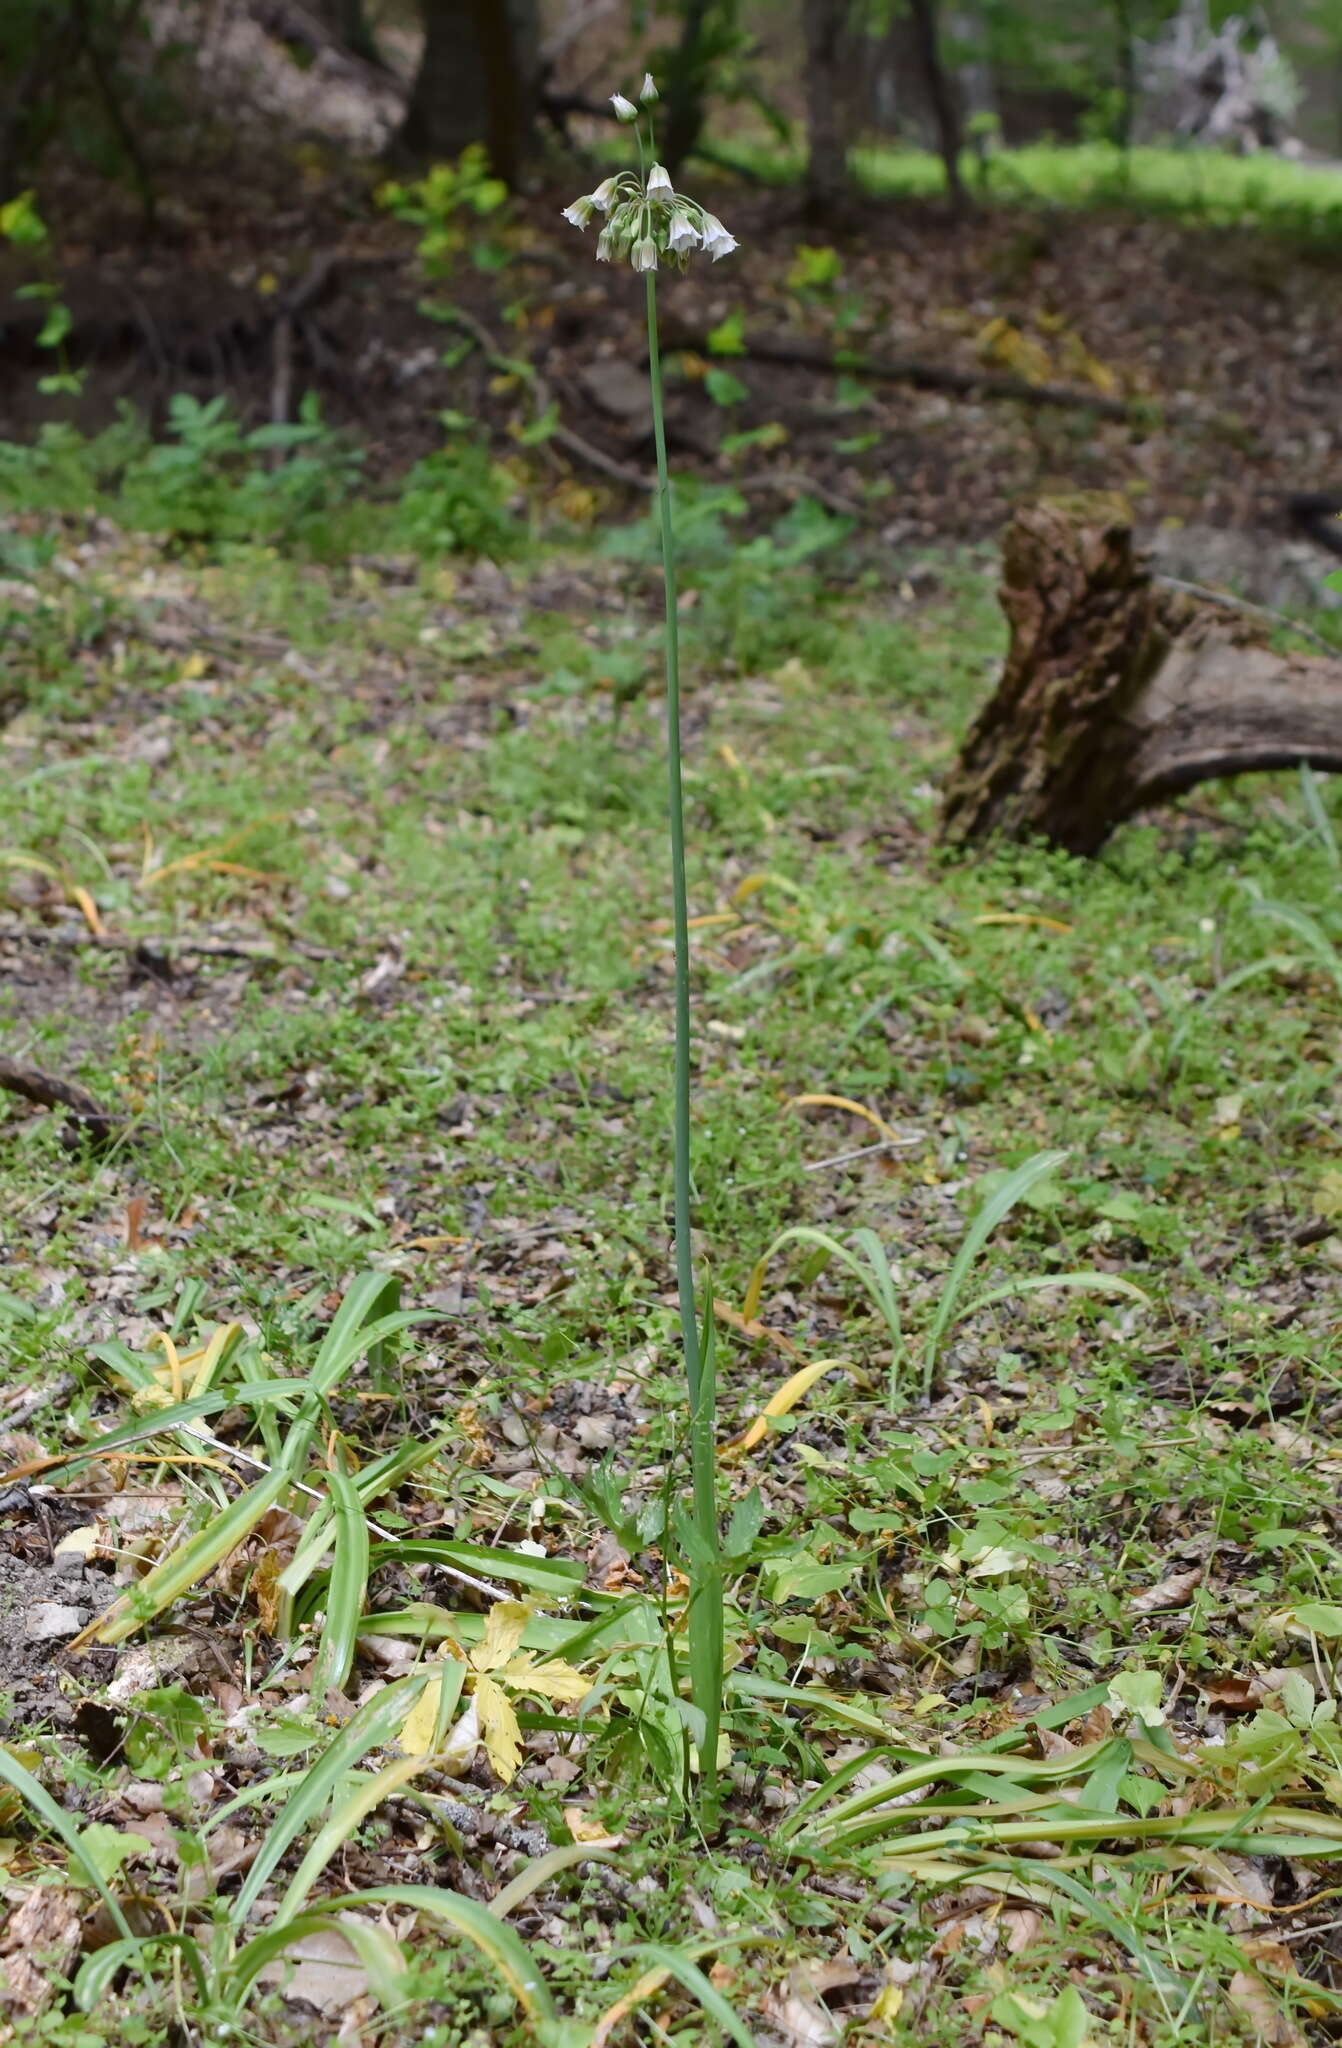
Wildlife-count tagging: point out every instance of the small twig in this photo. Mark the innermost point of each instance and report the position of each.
(867, 1152)
(21, 1406)
(48, 1091)
(1243, 604)
(798, 480)
(542, 398)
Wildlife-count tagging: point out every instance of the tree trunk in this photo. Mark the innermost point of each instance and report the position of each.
(1118, 693)
(478, 81)
(941, 97)
(827, 162)
(683, 88)
(1126, 74)
(349, 25)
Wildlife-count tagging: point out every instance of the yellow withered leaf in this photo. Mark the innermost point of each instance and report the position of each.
(419, 1730)
(878, 1123)
(499, 1729)
(424, 1730)
(1021, 917)
(502, 1638)
(785, 1400)
(553, 1681)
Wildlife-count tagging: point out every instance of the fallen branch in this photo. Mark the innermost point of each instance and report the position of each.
(542, 398)
(1118, 693)
(48, 1091)
(151, 948)
(801, 351)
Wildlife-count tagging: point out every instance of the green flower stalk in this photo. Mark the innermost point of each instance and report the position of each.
(648, 224)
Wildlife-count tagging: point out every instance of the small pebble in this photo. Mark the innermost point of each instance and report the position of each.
(48, 1619)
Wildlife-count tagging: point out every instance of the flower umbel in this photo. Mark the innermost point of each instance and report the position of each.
(647, 220)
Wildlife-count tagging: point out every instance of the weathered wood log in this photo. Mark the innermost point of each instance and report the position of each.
(1119, 692)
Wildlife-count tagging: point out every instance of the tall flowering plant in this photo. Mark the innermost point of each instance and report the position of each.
(648, 224)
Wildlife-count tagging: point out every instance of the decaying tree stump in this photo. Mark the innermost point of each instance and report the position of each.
(1119, 692)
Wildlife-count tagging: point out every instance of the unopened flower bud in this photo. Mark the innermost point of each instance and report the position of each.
(659, 181)
(580, 212)
(625, 110)
(644, 254)
(648, 89)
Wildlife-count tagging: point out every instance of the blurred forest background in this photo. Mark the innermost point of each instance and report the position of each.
(990, 246)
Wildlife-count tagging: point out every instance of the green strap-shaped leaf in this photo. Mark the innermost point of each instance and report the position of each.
(345, 1589)
(55, 1817)
(494, 1939)
(376, 1724)
(191, 1561)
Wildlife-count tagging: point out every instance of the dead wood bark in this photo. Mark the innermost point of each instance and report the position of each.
(1119, 692)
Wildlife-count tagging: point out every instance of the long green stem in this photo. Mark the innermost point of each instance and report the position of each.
(680, 910)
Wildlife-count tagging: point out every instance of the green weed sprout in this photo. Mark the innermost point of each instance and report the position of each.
(22, 226)
(648, 224)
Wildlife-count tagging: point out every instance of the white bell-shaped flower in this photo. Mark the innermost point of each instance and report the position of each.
(717, 241)
(643, 256)
(659, 183)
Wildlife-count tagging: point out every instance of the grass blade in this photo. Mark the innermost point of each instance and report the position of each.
(55, 1817)
(541, 1871)
(994, 1211)
(1318, 815)
(705, 1626)
(692, 1979)
(496, 1941)
(381, 1956)
(1310, 933)
(376, 1724)
(1083, 1281)
(351, 1811)
(345, 1590)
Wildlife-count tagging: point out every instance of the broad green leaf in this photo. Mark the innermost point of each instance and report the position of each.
(1319, 1617)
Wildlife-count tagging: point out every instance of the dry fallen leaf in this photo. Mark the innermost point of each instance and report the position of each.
(321, 1969)
(46, 1926)
(1254, 2002)
(1175, 1591)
